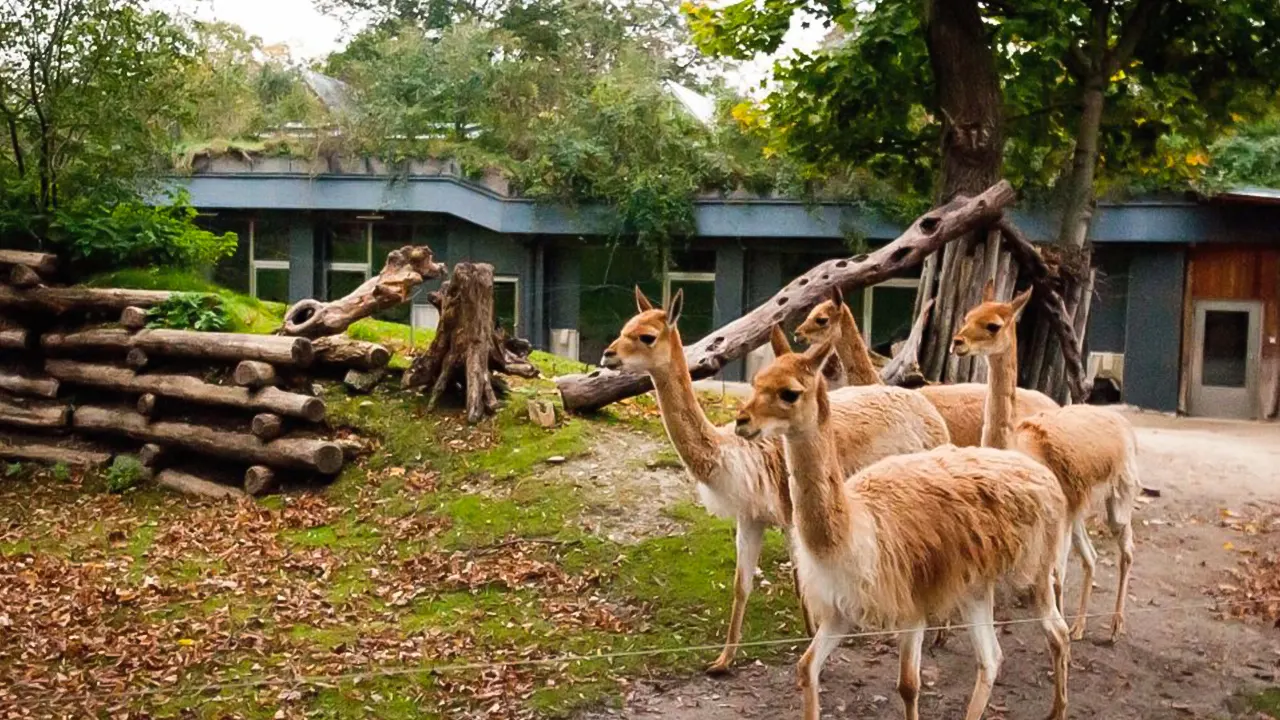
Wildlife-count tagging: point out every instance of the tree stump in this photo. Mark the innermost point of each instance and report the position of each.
(465, 348)
(404, 271)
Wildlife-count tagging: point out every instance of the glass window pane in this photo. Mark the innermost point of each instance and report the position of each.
(347, 242)
(270, 240)
(387, 237)
(504, 305)
(697, 317)
(892, 311)
(339, 283)
(1226, 348)
(606, 295)
(693, 260)
(273, 285)
(231, 272)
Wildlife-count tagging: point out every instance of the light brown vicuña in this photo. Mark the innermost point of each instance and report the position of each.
(747, 480)
(910, 537)
(961, 404)
(1090, 449)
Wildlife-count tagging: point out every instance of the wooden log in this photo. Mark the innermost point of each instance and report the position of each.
(147, 405)
(21, 276)
(259, 480)
(14, 338)
(137, 359)
(904, 368)
(44, 263)
(232, 347)
(254, 374)
(35, 450)
(45, 387)
(59, 300)
(731, 342)
(300, 453)
(189, 389)
(403, 272)
(34, 415)
(266, 426)
(191, 485)
(152, 455)
(343, 351)
(352, 448)
(133, 318)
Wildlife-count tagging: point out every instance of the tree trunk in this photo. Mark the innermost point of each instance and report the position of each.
(259, 480)
(189, 389)
(254, 374)
(43, 263)
(44, 387)
(59, 300)
(230, 347)
(927, 234)
(300, 453)
(404, 271)
(345, 352)
(33, 449)
(460, 353)
(34, 415)
(266, 426)
(189, 484)
(1078, 206)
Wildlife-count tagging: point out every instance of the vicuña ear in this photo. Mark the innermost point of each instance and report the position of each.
(642, 302)
(816, 356)
(674, 307)
(1020, 303)
(778, 341)
(989, 291)
(837, 297)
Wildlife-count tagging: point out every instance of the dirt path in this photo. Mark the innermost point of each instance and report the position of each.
(1175, 662)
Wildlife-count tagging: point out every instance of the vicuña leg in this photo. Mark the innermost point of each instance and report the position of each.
(910, 643)
(1055, 630)
(750, 537)
(1119, 517)
(1088, 560)
(979, 614)
(825, 639)
(1060, 576)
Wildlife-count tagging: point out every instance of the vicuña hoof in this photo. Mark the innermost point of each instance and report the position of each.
(719, 668)
(1077, 630)
(1117, 628)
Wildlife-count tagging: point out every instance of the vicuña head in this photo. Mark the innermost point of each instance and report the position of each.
(823, 322)
(990, 328)
(644, 345)
(790, 393)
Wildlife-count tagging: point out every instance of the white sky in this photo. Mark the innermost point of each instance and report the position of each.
(310, 34)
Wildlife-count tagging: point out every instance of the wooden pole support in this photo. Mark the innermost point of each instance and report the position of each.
(191, 485)
(254, 374)
(133, 318)
(267, 426)
(44, 263)
(147, 405)
(259, 480)
(137, 359)
(152, 455)
(45, 387)
(21, 276)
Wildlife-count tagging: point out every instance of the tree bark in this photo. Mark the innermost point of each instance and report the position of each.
(299, 453)
(43, 263)
(136, 359)
(34, 415)
(345, 352)
(1078, 206)
(904, 369)
(259, 480)
(152, 455)
(146, 405)
(463, 345)
(230, 347)
(12, 338)
(266, 426)
(45, 387)
(21, 276)
(404, 271)
(254, 374)
(34, 449)
(133, 318)
(189, 389)
(59, 300)
(927, 234)
(189, 484)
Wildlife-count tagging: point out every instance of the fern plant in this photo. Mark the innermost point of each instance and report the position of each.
(190, 311)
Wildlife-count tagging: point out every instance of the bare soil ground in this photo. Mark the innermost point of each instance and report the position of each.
(1180, 659)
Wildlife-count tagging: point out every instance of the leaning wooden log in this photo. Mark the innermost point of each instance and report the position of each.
(34, 415)
(259, 480)
(403, 272)
(345, 352)
(21, 276)
(190, 389)
(189, 484)
(12, 338)
(301, 453)
(45, 387)
(152, 455)
(460, 352)
(254, 374)
(230, 347)
(43, 263)
(59, 300)
(133, 318)
(33, 449)
(266, 426)
(146, 405)
(904, 369)
(931, 231)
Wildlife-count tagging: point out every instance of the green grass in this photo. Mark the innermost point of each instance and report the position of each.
(247, 314)
(1267, 702)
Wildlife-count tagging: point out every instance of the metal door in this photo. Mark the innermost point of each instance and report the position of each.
(1224, 367)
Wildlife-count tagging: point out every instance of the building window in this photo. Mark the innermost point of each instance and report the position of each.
(269, 269)
(348, 247)
(888, 313)
(694, 272)
(506, 303)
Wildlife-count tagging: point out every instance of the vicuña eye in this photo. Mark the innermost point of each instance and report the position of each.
(821, 321)
(788, 396)
(648, 339)
(993, 327)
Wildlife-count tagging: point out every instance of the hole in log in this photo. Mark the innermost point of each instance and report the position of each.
(715, 344)
(825, 276)
(899, 254)
(860, 258)
(777, 317)
(842, 263)
(930, 224)
(802, 282)
(782, 300)
(303, 314)
(593, 373)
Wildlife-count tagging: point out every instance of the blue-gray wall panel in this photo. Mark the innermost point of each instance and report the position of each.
(730, 290)
(304, 266)
(1153, 328)
(1110, 302)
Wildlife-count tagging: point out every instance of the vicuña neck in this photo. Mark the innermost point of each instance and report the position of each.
(696, 440)
(821, 509)
(852, 350)
(999, 410)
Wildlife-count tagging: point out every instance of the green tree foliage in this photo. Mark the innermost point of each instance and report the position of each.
(1248, 157)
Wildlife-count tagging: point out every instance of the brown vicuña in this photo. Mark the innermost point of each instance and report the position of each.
(747, 480)
(961, 404)
(909, 537)
(1090, 449)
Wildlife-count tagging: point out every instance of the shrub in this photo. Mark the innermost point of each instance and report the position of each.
(190, 311)
(125, 472)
